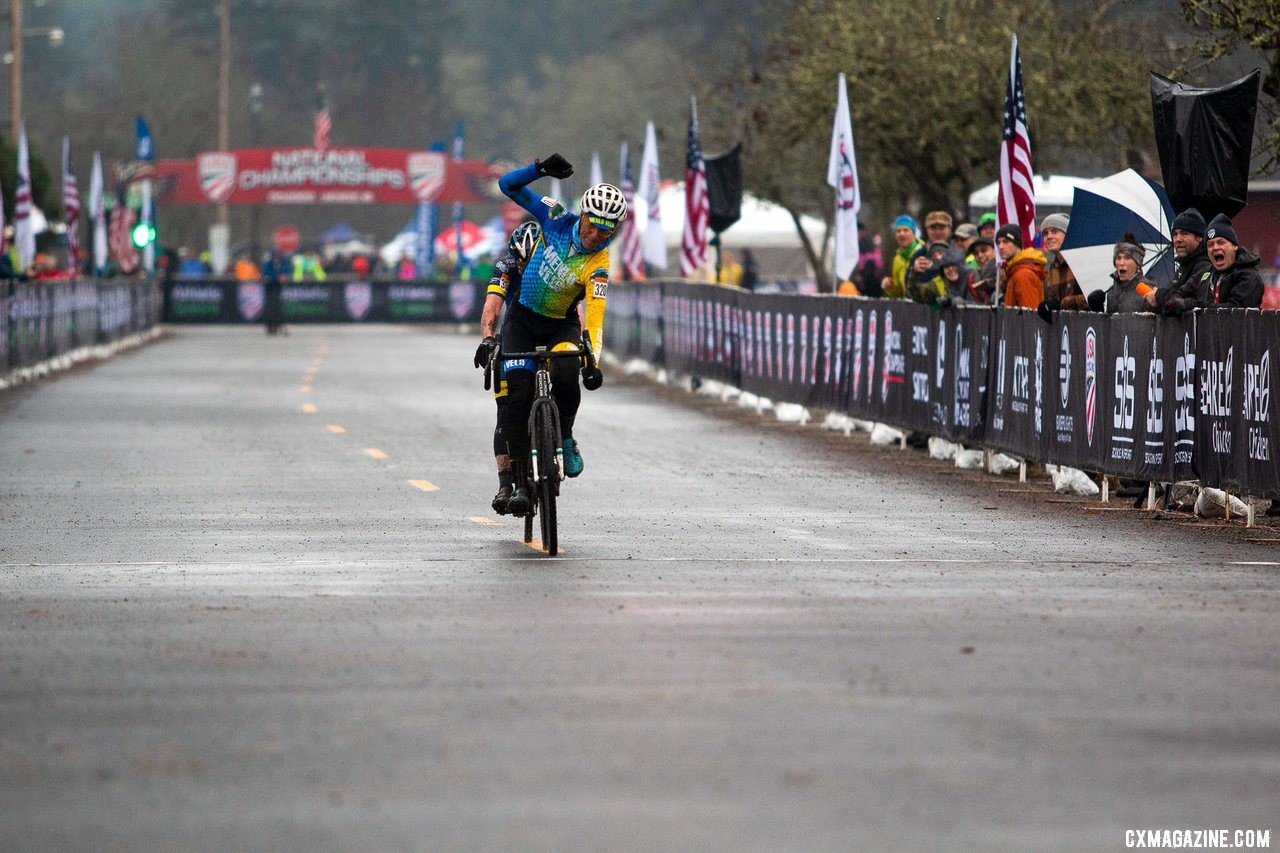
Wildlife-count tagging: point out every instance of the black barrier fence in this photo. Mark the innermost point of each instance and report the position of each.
(41, 320)
(1161, 399)
(230, 301)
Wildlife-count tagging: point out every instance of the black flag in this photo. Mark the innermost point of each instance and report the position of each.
(1205, 138)
(724, 188)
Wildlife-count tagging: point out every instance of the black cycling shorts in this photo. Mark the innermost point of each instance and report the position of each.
(525, 330)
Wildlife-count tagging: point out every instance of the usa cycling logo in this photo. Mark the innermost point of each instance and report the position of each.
(1090, 381)
(1064, 368)
(250, 299)
(857, 354)
(358, 297)
(217, 170)
(426, 173)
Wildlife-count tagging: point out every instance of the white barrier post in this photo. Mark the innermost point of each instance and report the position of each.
(1106, 489)
(1151, 496)
(1022, 470)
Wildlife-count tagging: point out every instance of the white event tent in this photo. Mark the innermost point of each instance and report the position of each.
(1052, 191)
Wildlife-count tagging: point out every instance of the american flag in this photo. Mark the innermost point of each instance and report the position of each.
(121, 237)
(1017, 201)
(323, 123)
(24, 235)
(70, 207)
(697, 208)
(632, 249)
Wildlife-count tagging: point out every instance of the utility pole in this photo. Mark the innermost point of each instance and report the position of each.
(224, 93)
(15, 69)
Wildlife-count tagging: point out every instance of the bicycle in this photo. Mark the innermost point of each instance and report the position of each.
(546, 447)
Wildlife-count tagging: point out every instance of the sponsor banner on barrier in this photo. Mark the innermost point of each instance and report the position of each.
(1235, 425)
(414, 301)
(307, 301)
(196, 301)
(227, 301)
(1163, 399)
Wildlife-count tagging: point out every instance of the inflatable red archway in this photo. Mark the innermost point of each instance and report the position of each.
(329, 176)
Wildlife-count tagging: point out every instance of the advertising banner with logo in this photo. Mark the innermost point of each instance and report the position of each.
(1235, 429)
(958, 395)
(228, 301)
(41, 320)
(331, 176)
(1161, 399)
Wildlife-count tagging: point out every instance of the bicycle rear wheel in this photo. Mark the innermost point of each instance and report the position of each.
(545, 428)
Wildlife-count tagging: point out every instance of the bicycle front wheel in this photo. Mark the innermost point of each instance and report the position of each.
(545, 429)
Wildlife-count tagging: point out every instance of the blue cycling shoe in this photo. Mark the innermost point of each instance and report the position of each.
(572, 458)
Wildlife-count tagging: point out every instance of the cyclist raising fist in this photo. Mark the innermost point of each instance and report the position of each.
(570, 265)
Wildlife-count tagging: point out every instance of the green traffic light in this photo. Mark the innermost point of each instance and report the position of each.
(143, 234)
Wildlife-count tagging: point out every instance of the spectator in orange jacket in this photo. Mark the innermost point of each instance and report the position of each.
(1024, 269)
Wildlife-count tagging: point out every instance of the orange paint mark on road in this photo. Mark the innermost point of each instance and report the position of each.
(305, 389)
(334, 428)
(424, 485)
(309, 408)
(536, 545)
(480, 519)
(375, 453)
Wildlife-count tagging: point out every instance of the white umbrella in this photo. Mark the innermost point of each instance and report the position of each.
(1102, 212)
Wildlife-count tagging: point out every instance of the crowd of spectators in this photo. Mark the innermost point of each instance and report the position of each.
(977, 263)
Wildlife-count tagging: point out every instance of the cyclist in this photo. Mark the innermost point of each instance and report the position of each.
(570, 265)
(503, 288)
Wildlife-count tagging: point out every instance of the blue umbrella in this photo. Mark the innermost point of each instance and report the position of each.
(1102, 213)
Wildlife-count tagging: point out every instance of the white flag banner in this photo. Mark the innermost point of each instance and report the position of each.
(97, 213)
(655, 245)
(24, 233)
(149, 217)
(597, 174)
(842, 175)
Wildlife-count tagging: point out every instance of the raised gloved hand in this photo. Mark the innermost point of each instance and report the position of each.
(1046, 309)
(554, 166)
(944, 303)
(484, 352)
(1098, 301)
(592, 378)
(1174, 306)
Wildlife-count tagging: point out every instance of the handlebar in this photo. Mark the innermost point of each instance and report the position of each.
(586, 354)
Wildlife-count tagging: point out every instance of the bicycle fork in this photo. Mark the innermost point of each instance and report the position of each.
(542, 392)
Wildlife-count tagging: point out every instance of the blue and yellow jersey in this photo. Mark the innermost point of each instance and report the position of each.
(560, 273)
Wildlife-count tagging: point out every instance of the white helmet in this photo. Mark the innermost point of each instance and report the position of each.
(524, 239)
(604, 202)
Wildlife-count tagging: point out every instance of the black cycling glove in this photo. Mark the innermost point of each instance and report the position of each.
(484, 352)
(592, 378)
(554, 166)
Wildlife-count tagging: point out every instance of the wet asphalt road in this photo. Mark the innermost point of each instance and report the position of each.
(229, 622)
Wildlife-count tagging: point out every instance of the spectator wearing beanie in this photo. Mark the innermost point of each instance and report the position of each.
(1235, 282)
(1024, 269)
(1129, 287)
(907, 236)
(987, 226)
(1061, 290)
(1191, 268)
